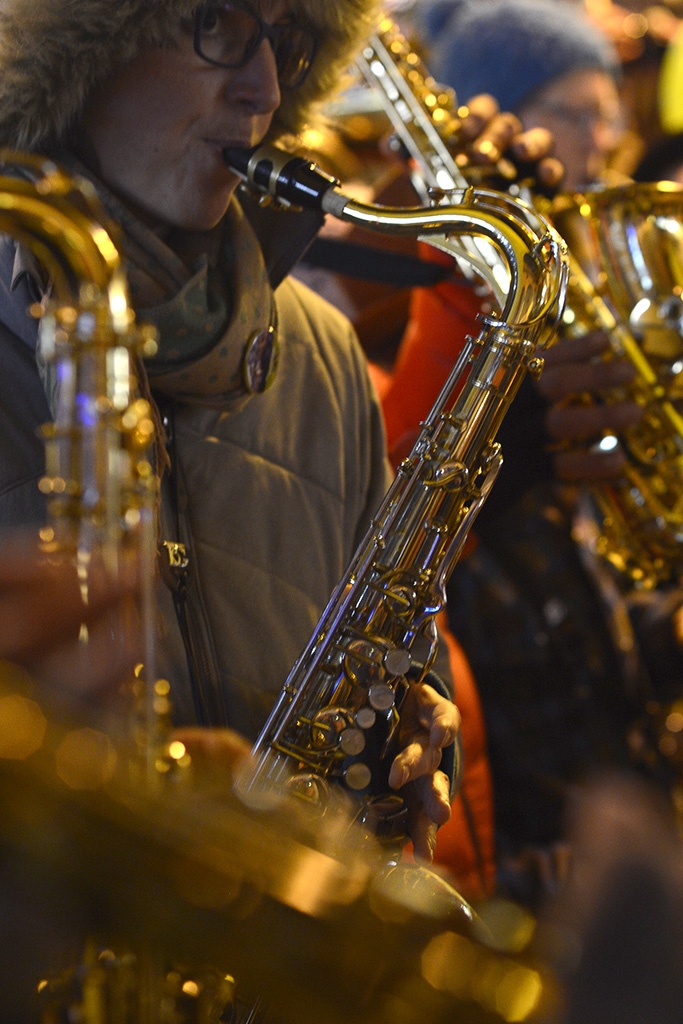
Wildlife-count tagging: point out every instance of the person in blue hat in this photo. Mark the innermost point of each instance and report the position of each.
(541, 59)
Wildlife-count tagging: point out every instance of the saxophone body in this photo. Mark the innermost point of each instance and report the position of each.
(330, 735)
(626, 279)
(625, 261)
(100, 484)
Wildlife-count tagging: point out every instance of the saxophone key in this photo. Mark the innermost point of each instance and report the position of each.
(362, 661)
(309, 787)
(333, 729)
(397, 661)
(328, 727)
(352, 742)
(365, 718)
(357, 776)
(381, 696)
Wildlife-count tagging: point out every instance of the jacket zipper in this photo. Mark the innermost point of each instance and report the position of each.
(179, 572)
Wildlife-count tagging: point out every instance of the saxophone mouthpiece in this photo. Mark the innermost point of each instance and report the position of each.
(274, 172)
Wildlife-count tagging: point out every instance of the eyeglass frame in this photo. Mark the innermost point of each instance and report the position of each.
(265, 31)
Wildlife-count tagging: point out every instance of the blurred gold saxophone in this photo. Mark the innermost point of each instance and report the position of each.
(625, 278)
(102, 494)
(329, 736)
(100, 486)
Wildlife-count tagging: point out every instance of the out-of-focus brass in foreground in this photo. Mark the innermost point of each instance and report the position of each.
(165, 894)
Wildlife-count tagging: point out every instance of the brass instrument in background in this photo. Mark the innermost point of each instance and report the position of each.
(100, 484)
(625, 277)
(425, 115)
(329, 736)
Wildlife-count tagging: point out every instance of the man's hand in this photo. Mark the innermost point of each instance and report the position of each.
(574, 381)
(496, 137)
(429, 722)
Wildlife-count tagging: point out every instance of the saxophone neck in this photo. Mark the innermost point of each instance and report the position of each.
(506, 242)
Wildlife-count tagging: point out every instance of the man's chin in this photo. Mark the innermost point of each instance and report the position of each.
(202, 217)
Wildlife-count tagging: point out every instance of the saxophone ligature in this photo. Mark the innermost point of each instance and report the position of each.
(625, 261)
(329, 736)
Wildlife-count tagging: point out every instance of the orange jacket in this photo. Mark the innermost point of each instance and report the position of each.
(465, 844)
(440, 319)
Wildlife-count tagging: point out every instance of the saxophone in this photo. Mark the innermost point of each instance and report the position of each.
(425, 115)
(329, 736)
(625, 263)
(100, 485)
(626, 280)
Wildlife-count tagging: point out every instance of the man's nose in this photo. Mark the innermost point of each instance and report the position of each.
(257, 82)
(606, 133)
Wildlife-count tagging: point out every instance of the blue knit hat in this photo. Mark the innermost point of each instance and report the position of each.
(509, 48)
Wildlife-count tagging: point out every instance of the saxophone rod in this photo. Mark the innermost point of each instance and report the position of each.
(385, 78)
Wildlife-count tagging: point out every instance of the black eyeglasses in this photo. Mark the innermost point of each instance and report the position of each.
(229, 34)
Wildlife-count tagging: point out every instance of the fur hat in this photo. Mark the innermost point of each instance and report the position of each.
(53, 53)
(511, 48)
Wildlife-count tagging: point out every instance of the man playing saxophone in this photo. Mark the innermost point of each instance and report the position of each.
(274, 450)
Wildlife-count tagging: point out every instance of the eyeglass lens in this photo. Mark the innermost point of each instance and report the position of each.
(229, 35)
